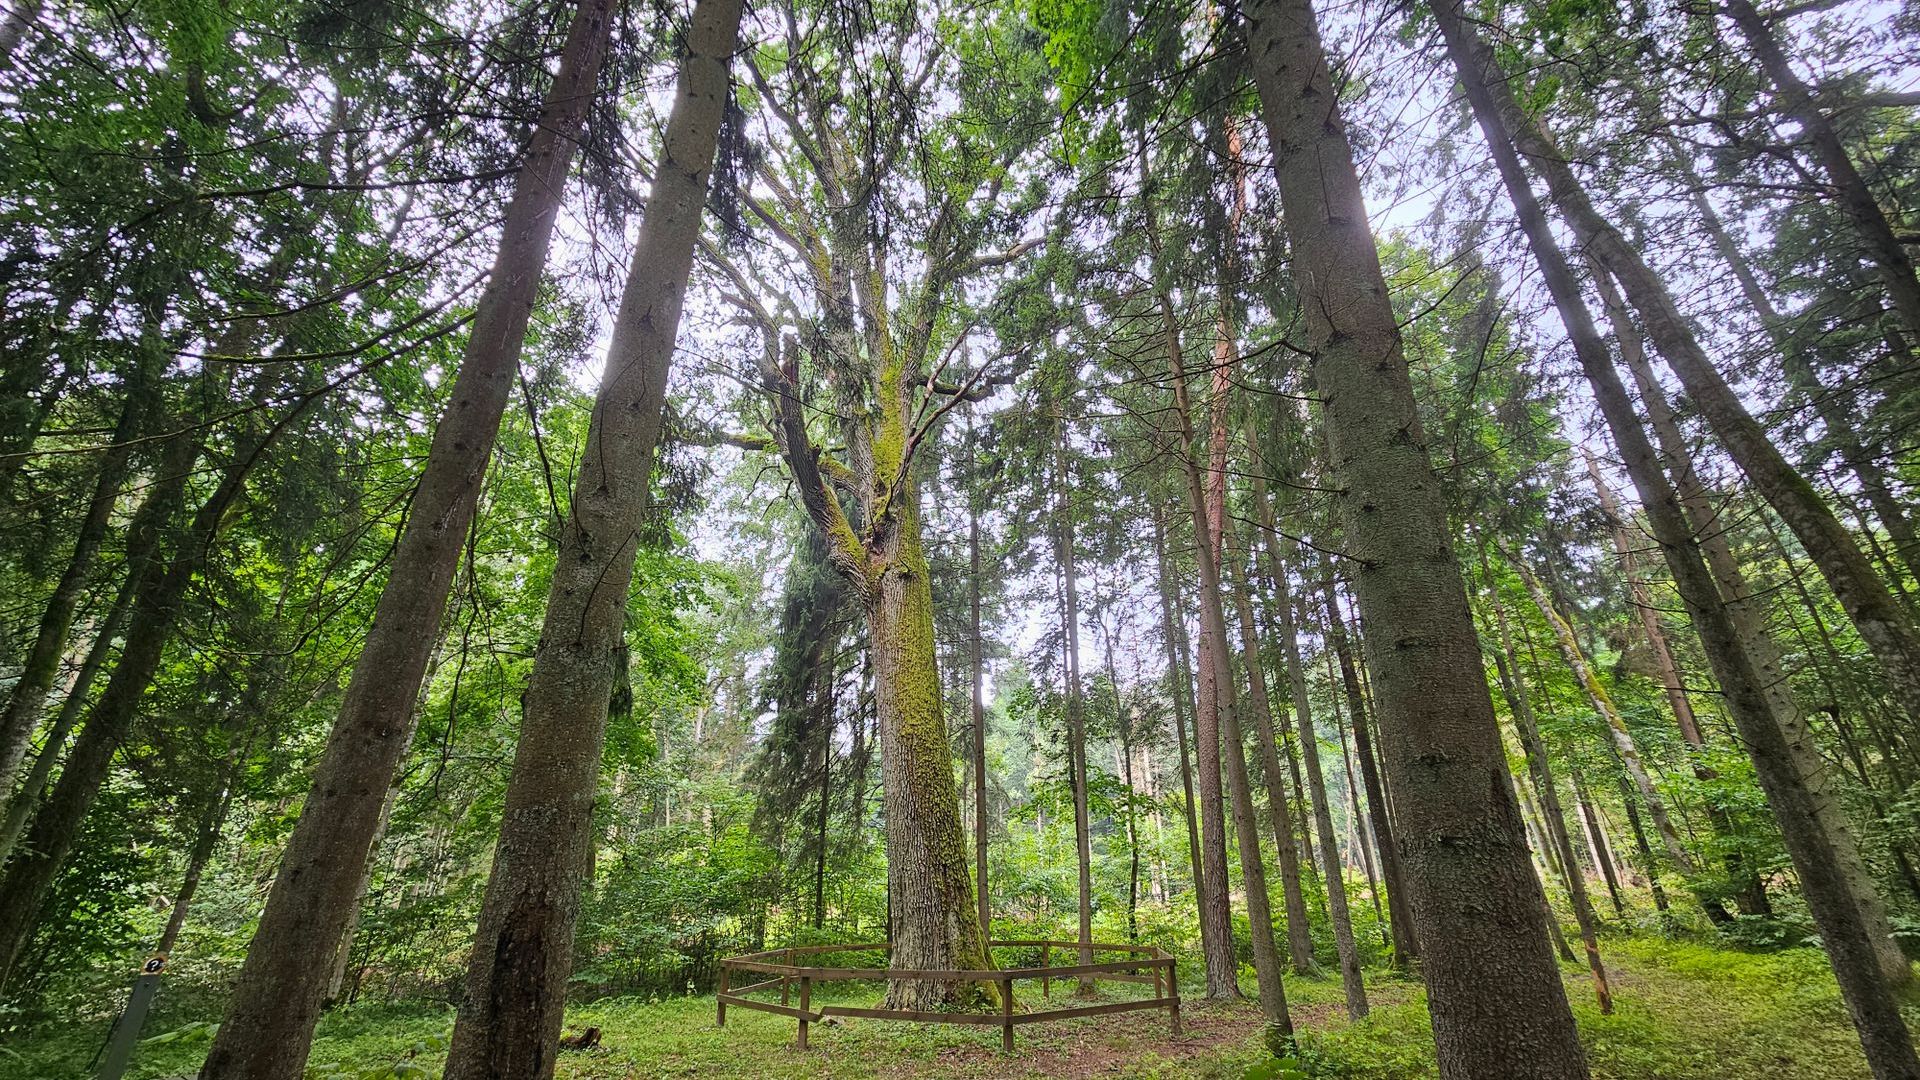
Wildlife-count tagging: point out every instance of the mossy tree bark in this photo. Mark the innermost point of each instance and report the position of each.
(1622, 738)
(1498, 1005)
(934, 922)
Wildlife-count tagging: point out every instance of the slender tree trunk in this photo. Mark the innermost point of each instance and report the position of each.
(1748, 617)
(509, 1024)
(1334, 873)
(1877, 240)
(825, 813)
(1177, 683)
(1671, 682)
(1520, 707)
(1883, 623)
(1222, 968)
(1842, 430)
(1543, 841)
(1246, 828)
(1840, 912)
(1406, 946)
(268, 1028)
(1076, 706)
(1133, 834)
(1253, 874)
(977, 704)
(1645, 850)
(1750, 893)
(156, 603)
(27, 795)
(1623, 741)
(1598, 845)
(1498, 1005)
(343, 952)
(41, 665)
(205, 837)
(1356, 819)
(1260, 704)
(1276, 576)
(1558, 937)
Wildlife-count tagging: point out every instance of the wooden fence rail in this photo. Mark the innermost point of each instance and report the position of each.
(1160, 970)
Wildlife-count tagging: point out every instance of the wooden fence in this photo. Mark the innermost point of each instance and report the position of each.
(779, 964)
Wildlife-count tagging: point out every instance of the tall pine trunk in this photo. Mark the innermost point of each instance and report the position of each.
(1076, 704)
(1260, 704)
(1253, 873)
(1837, 910)
(509, 1023)
(1406, 944)
(1878, 242)
(268, 1028)
(1884, 624)
(41, 665)
(976, 699)
(1179, 681)
(1216, 914)
(1498, 1006)
(156, 601)
(1335, 878)
(27, 795)
(1541, 769)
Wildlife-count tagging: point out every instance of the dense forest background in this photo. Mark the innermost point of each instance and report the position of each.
(1007, 466)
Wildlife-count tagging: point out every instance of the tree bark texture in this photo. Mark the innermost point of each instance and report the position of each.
(268, 1029)
(509, 1023)
(1498, 1006)
(1837, 910)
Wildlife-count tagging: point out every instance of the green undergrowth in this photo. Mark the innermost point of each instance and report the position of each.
(1683, 1011)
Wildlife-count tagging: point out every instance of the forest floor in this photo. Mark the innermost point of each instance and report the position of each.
(1682, 1012)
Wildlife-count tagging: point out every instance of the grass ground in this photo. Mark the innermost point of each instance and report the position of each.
(1683, 1012)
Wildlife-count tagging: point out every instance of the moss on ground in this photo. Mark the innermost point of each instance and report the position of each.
(1684, 1012)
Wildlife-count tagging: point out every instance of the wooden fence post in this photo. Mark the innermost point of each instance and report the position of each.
(1046, 981)
(806, 994)
(1173, 991)
(721, 998)
(1006, 1013)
